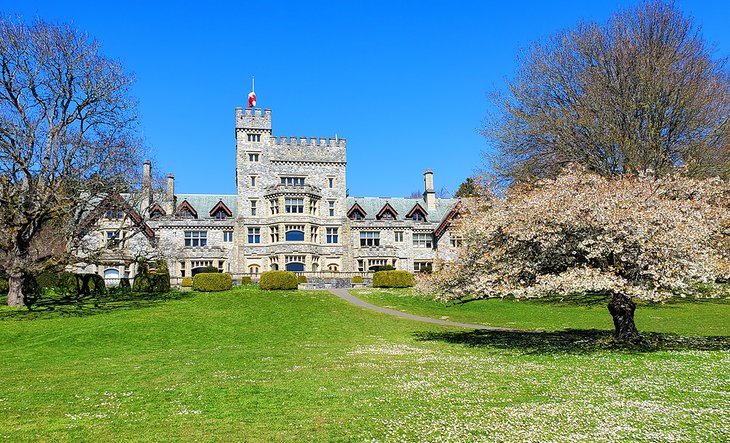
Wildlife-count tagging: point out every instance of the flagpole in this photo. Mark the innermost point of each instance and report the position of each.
(252, 88)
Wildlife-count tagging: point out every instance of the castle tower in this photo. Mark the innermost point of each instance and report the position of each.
(291, 198)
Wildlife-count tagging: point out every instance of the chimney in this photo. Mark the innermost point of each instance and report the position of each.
(429, 195)
(147, 185)
(170, 194)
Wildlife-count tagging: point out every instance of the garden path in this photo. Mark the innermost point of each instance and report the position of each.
(345, 295)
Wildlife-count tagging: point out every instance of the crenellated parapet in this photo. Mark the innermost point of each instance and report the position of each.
(315, 142)
(312, 149)
(253, 118)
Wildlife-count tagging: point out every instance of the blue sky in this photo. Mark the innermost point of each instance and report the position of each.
(404, 81)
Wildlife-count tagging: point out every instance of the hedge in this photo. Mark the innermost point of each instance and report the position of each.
(246, 280)
(152, 282)
(393, 279)
(278, 280)
(302, 279)
(81, 284)
(357, 279)
(212, 282)
(187, 282)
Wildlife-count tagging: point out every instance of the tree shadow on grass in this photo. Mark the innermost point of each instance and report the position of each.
(55, 307)
(574, 341)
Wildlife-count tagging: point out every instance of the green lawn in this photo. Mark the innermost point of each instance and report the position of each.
(245, 365)
(688, 316)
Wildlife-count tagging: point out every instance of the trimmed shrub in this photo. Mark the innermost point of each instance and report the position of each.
(124, 285)
(209, 270)
(152, 282)
(246, 280)
(82, 285)
(393, 279)
(278, 280)
(301, 279)
(357, 279)
(187, 282)
(212, 282)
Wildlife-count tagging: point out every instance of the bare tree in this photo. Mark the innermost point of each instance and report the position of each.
(67, 138)
(641, 93)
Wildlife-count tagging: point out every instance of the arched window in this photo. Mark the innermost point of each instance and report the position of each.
(295, 267)
(111, 273)
(332, 267)
(254, 269)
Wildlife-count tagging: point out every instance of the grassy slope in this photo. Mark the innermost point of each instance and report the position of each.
(305, 366)
(686, 317)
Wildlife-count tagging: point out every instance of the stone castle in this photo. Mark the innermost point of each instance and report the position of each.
(291, 212)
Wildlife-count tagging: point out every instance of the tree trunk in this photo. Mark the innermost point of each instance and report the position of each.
(15, 291)
(622, 310)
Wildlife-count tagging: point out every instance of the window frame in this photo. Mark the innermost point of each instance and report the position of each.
(369, 239)
(423, 240)
(195, 239)
(253, 235)
(333, 235)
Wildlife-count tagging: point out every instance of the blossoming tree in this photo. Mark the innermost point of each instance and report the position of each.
(633, 237)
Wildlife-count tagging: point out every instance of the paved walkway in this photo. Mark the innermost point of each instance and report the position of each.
(345, 295)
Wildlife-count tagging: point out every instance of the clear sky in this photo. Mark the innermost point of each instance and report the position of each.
(403, 81)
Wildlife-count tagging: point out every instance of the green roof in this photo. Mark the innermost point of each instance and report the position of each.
(203, 203)
(373, 205)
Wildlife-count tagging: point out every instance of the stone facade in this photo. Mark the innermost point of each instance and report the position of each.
(291, 211)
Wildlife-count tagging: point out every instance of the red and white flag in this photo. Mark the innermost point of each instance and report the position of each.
(251, 99)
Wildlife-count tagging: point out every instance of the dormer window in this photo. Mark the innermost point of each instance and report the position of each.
(417, 214)
(387, 213)
(156, 211)
(356, 212)
(220, 211)
(186, 210)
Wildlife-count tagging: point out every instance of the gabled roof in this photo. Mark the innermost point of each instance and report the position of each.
(370, 206)
(220, 206)
(114, 201)
(448, 220)
(386, 208)
(204, 203)
(187, 206)
(358, 208)
(156, 208)
(417, 208)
